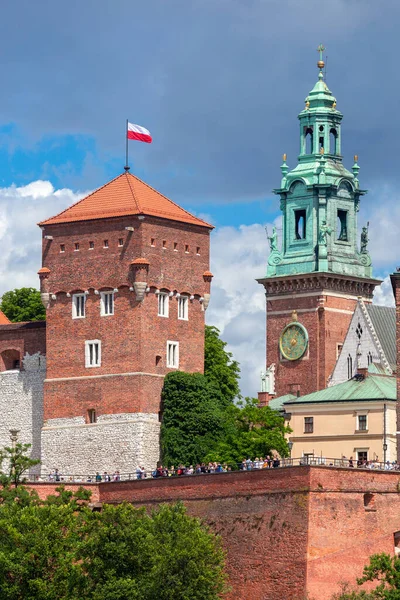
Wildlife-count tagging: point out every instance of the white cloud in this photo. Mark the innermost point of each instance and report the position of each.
(21, 208)
(239, 256)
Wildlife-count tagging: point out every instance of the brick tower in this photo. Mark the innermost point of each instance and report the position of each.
(125, 281)
(313, 282)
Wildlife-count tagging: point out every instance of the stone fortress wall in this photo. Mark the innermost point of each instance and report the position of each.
(21, 403)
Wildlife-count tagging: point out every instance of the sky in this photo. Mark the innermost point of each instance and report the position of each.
(219, 83)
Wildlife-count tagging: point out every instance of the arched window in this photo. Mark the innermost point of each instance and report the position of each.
(349, 367)
(309, 140)
(333, 141)
(10, 360)
(369, 358)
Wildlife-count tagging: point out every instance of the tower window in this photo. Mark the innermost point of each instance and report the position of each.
(163, 305)
(321, 142)
(78, 306)
(349, 367)
(76, 246)
(309, 140)
(62, 247)
(369, 358)
(91, 245)
(92, 353)
(107, 303)
(342, 225)
(121, 242)
(333, 141)
(359, 331)
(172, 355)
(300, 224)
(105, 244)
(183, 308)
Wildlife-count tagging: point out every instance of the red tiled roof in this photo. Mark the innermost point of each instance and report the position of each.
(122, 196)
(3, 319)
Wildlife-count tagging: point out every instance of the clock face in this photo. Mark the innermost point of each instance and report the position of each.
(293, 341)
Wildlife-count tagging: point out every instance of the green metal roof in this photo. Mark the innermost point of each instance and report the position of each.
(277, 403)
(372, 387)
(384, 321)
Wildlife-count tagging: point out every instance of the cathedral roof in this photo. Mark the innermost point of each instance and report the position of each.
(3, 319)
(372, 387)
(383, 319)
(125, 195)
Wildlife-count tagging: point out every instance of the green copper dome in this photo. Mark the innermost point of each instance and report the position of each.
(320, 198)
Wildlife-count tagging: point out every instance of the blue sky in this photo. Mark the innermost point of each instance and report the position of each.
(219, 83)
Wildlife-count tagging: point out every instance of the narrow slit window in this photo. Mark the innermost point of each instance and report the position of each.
(187, 248)
(92, 417)
(198, 251)
(164, 244)
(62, 247)
(91, 245)
(120, 242)
(175, 247)
(76, 246)
(309, 139)
(300, 225)
(105, 244)
(342, 225)
(333, 141)
(349, 367)
(152, 242)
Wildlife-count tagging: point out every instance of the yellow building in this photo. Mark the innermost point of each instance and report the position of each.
(355, 419)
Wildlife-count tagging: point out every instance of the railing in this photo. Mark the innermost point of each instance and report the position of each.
(216, 469)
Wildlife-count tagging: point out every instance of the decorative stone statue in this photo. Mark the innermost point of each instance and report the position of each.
(364, 240)
(323, 230)
(273, 240)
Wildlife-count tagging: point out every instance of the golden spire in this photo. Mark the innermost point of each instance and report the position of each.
(320, 64)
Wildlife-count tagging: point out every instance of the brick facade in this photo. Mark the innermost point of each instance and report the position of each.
(136, 257)
(289, 533)
(19, 339)
(324, 306)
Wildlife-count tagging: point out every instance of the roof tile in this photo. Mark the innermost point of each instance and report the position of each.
(3, 319)
(125, 195)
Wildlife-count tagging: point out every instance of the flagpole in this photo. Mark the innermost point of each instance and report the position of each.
(126, 147)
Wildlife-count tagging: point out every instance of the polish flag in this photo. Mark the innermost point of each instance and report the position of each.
(136, 132)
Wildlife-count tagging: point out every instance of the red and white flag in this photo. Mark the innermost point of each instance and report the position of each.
(136, 132)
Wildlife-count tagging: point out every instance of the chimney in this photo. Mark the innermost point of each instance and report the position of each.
(294, 388)
(395, 279)
(362, 371)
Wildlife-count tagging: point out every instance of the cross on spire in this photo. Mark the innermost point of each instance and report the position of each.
(320, 64)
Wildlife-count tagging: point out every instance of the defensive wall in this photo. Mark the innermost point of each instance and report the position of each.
(291, 533)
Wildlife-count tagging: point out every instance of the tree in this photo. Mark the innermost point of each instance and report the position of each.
(60, 550)
(254, 431)
(17, 463)
(219, 366)
(193, 418)
(382, 568)
(23, 304)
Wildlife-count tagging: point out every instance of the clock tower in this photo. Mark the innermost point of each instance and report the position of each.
(313, 281)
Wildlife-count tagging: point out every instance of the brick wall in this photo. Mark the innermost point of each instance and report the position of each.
(290, 534)
(18, 339)
(326, 328)
(395, 280)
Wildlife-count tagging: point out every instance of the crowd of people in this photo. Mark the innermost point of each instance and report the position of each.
(268, 462)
